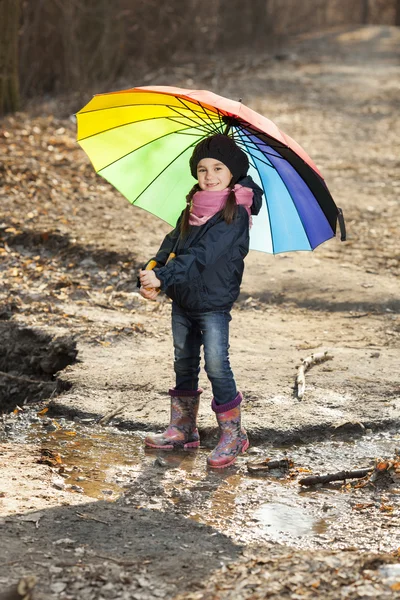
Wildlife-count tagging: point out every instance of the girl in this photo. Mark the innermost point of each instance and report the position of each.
(208, 245)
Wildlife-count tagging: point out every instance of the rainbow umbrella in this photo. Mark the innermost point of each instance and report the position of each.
(141, 140)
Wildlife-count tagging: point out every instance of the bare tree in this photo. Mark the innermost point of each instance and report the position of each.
(365, 12)
(9, 81)
(397, 14)
(261, 23)
(81, 45)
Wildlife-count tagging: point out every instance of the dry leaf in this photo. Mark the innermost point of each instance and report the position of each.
(396, 586)
(386, 508)
(382, 466)
(361, 505)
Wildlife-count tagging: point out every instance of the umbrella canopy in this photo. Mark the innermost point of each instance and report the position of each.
(141, 140)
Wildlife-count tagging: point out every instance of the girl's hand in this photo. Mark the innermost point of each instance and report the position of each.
(148, 279)
(149, 294)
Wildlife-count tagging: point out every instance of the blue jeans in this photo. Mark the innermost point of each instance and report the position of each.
(211, 329)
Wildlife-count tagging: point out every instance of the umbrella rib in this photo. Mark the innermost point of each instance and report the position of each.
(207, 125)
(176, 120)
(132, 123)
(312, 193)
(266, 139)
(196, 103)
(142, 120)
(207, 115)
(246, 147)
(182, 132)
(138, 148)
(86, 112)
(161, 172)
(220, 117)
(197, 113)
(221, 120)
(252, 144)
(294, 204)
(248, 129)
(266, 202)
(204, 125)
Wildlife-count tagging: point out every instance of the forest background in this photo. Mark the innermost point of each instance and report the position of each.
(51, 46)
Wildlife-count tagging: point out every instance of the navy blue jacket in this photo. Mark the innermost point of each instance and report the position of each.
(207, 271)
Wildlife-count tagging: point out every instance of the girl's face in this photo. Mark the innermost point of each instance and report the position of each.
(213, 175)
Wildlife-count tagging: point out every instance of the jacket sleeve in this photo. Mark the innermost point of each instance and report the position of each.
(165, 249)
(257, 193)
(167, 246)
(215, 243)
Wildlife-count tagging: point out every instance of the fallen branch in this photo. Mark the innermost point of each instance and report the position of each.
(90, 518)
(107, 417)
(313, 359)
(23, 379)
(124, 563)
(341, 476)
(267, 464)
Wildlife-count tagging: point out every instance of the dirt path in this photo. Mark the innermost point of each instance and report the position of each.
(71, 249)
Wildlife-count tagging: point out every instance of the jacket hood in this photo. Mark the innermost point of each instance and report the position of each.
(257, 193)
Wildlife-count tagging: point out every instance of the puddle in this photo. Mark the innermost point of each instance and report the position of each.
(390, 573)
(107, 463)
(91, 455)
(278, 518)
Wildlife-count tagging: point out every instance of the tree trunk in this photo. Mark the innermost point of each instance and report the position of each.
(397, 16)
(234, 24)
(364, 12)
(259, 24)
(9, 82)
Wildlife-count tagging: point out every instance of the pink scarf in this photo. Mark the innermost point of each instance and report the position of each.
(206, 204)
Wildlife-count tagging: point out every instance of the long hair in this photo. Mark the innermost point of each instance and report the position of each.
(228, 212)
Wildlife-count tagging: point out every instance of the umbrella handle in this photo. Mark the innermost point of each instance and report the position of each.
(153, 263)
(149, 267)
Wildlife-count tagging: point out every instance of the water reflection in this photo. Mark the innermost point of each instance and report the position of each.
(279, 518)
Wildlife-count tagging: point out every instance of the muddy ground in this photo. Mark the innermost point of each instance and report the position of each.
(100, 517)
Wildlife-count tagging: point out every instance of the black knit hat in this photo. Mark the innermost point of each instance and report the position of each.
(222, 148)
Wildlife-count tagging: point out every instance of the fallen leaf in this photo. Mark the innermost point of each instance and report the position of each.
(382, 466)
(396, 586)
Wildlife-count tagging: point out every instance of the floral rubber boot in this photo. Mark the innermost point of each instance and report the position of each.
(182, 431)
(233, 440)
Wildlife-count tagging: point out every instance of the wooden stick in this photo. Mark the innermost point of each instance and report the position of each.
(313, 359)
(124, 563)
(268, 464)
(107, 417)
(90, 518)
(23, 379)
(301, 382)
(341, 476)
